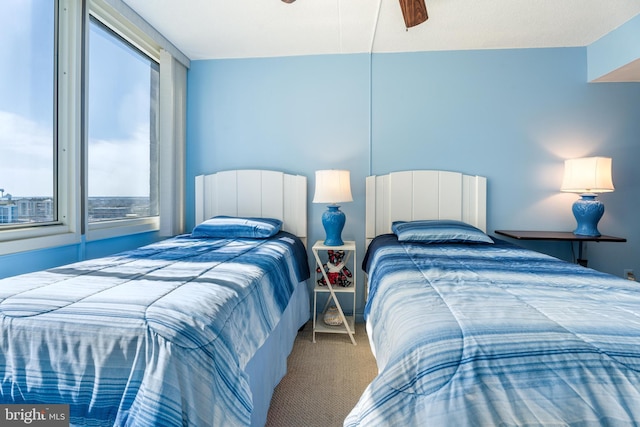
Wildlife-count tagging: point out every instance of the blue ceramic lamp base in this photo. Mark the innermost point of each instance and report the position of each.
(587, 210)
(333, 221)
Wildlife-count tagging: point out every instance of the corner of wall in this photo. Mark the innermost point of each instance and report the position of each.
(615, 57)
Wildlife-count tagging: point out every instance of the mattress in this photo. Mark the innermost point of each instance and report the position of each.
(160, 335)
(494, 334)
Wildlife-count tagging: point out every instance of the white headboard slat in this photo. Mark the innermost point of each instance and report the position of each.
(449, 195)
(223, 194)
(250, 197)
(295, 206)
(423, 182)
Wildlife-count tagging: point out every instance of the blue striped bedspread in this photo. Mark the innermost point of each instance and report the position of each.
(157, 336)
(497, 335)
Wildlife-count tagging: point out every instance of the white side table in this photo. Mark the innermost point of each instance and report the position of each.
(348, 325)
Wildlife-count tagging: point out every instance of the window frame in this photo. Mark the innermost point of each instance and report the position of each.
(70, 133)
(101, 12)
(67, 87)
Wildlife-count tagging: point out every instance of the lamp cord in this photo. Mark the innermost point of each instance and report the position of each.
(573, 252)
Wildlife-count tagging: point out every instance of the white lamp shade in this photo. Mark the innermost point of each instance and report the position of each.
(587, 175)
(332, 186)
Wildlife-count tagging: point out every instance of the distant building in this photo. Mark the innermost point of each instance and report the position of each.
(8, 210)
(102, 213)
(35, 209)
(27, 210)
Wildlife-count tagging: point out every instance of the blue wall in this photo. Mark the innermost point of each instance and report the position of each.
(511, 115)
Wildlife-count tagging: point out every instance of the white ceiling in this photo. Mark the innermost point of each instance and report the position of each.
(210, 29)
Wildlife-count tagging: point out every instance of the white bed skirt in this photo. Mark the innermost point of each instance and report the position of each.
(269, 365)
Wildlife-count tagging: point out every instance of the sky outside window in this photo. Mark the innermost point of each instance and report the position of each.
(26, 98)
(120, 110)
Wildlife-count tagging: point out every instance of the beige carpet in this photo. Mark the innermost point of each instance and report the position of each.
(324, 380)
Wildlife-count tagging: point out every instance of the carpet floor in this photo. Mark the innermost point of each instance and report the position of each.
(324, 379)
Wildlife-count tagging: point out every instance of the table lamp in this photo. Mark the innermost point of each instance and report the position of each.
(587, 176)
(333, 187)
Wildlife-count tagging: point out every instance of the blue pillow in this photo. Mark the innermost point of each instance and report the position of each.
(230, 227)
(438, 231)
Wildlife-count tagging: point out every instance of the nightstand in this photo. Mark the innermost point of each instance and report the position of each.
(348, 325)
(560, 236)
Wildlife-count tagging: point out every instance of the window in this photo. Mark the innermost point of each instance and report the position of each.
(79, 124)
(27, 143)
(123, 87)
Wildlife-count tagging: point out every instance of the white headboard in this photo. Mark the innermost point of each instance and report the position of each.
(254, 193)
(424, 194)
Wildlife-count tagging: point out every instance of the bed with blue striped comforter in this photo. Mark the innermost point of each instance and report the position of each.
(157, 336)
(497, 335)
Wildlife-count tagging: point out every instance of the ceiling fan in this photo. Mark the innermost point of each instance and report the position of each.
(413, 11)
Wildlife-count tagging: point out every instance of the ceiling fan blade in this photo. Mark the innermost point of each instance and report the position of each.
(414, 12)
